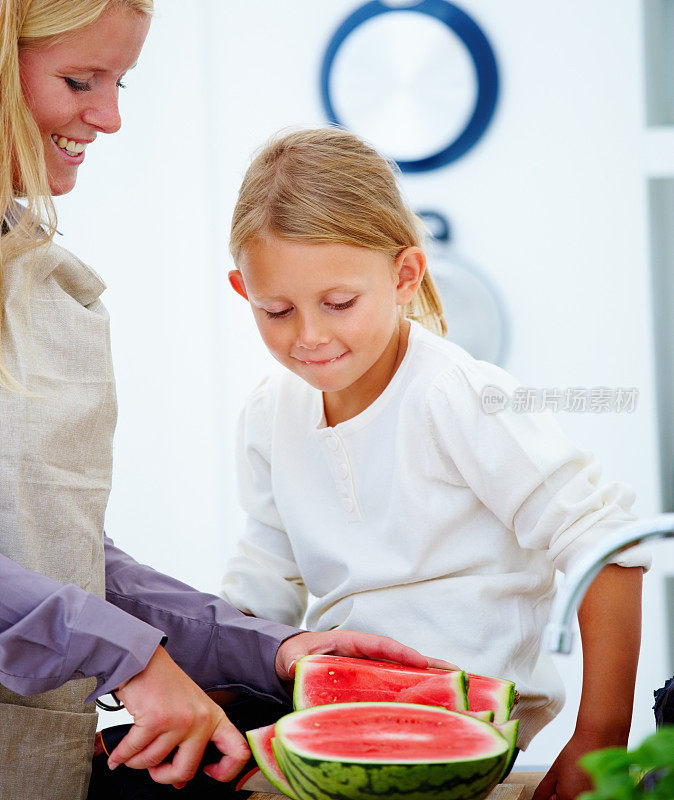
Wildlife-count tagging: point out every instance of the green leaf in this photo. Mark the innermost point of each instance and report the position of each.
(610, 761)
(657, 751)
(616, 772)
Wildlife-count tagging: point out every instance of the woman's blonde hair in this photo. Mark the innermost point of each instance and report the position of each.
(23, 173)
(328, 186)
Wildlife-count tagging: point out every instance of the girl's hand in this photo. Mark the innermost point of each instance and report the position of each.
(169, 710)
(349, 643)
(565, 780)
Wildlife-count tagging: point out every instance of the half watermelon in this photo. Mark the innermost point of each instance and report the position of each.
(397, 751)
(324, 679)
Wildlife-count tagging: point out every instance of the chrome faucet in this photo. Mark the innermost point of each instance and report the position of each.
(557, 634)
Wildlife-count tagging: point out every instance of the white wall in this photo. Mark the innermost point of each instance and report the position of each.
(551, 203)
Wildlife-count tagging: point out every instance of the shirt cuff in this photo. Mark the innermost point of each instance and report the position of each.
(110, 645)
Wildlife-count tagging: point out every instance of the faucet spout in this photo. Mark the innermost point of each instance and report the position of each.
(558, 634)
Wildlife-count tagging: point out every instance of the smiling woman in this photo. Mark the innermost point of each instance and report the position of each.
(49, 48)
(71, 86)
(48, 113)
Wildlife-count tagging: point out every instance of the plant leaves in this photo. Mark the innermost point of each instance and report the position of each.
(657, 751)
(616, 773)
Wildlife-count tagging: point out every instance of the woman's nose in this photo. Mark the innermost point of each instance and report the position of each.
(103, 112)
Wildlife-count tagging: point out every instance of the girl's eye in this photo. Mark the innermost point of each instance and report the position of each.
(83, 86)
(278, 314)
(77, 86)
(343, 306)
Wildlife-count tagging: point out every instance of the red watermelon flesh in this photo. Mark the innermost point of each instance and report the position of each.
(391, 732)
(485, 693)
(260, 746)
(325, 679)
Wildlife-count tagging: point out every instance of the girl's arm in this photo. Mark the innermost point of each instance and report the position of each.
(262, 579)
(610, 629)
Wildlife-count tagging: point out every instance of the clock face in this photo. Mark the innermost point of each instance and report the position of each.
(406, 82)
(419, 81)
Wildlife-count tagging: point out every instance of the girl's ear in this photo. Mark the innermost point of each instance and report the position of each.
(410, 266)
(236, 281)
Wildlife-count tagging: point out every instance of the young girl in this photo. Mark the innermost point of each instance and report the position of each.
(372, 476)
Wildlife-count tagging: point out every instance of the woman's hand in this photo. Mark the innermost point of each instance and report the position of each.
(169, 710)
(349, 643)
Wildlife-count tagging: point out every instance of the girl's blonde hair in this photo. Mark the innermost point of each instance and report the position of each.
(328, 186)
(23, 173)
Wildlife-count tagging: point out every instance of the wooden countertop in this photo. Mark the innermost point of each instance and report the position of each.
(529, 780)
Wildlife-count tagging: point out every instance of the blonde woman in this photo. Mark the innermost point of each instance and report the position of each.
(374, 478)
(62, 644)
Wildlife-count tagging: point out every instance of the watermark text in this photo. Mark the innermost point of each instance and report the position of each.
(574, 399)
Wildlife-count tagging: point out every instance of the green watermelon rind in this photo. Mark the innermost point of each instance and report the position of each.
(458, 685)
(486, 716)
(322, 778)
(256, 739)
(471, 786)
(509, 732)
(462, 692)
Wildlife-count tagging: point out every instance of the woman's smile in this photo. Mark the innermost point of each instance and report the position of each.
(71, 150)
(71, 147)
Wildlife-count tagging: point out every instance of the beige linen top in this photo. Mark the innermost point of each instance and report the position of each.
(55, 472)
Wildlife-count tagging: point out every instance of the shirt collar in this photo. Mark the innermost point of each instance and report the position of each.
(71, 274)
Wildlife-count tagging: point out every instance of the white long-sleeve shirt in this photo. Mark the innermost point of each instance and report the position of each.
(423, 518)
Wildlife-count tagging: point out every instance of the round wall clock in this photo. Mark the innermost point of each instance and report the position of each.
(417, 79)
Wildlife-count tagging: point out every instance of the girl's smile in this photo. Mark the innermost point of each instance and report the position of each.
(329, 313)
(318, 363)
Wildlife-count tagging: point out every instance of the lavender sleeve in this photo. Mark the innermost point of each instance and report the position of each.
(51, 633)
(213, 642)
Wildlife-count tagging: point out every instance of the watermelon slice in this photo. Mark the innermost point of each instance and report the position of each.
(485, 716)
(323, 679)
(397, 751)
(260, 746)
(486, 693)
